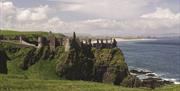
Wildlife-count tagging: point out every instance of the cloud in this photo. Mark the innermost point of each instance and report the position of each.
(162, 14)
(13, 16)
(121, 27)
(7, 8)
(7, 12)
(33, 14)
(10, 12)
(163, 19)
(64, 6)
(108, 8)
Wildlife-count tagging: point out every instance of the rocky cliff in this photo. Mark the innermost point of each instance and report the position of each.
(106, 65)
(79, 63)
(83, 62)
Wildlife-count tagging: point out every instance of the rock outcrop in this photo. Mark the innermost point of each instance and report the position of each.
(34, 55)
(91, 64)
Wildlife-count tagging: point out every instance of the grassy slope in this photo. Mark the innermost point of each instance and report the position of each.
(43, 69)
(21, 83)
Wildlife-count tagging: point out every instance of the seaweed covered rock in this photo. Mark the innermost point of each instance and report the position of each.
(131, 81)
(153, 82)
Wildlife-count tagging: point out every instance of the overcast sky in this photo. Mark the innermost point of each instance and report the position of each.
(95, 17)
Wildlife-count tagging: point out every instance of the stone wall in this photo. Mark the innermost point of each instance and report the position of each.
(25, 43)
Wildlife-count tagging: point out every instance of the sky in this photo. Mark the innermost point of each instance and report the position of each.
(94, 17)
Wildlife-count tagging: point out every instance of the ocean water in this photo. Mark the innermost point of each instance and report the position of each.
(161, 56)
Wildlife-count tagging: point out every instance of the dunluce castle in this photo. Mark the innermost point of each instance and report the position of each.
(54, 42)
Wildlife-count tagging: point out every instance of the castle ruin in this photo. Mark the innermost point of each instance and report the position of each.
(52, 41)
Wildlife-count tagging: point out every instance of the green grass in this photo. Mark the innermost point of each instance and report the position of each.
(27, 33)
(21, 83)
(10, 32)
(42, 69)
(30, 35)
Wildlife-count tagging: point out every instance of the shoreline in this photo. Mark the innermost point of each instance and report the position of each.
(143, 74)
(128, 40)
(143, 39)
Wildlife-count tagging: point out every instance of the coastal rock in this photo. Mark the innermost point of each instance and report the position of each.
(154, 82)
(147, 79)
(100, 65)
(131, 81)
(135, 71)
(151, 74)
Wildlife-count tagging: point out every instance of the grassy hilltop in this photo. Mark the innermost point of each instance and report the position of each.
(30, 69)
(30, 35)
(10, 33)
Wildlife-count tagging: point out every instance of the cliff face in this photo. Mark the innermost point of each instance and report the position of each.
(100, 65)
(109, 66)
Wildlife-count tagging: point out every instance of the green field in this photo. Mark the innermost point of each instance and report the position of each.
(21, 83)
(10, 32)
(27, 33)
(30, 35)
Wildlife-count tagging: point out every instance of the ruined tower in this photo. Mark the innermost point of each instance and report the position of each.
(67, 44)
(40, 42)
(114, 43)
(89, 42)
(74, 35)
(52, 41)
(20, 39)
